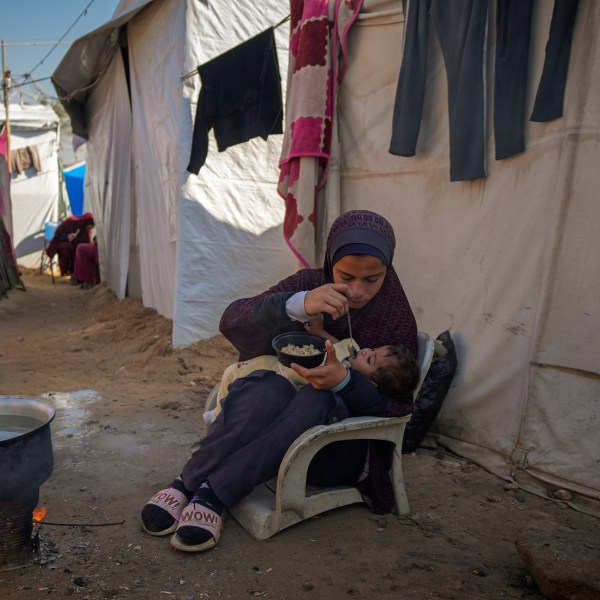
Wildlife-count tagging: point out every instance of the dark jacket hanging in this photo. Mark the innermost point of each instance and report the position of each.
(240, 97)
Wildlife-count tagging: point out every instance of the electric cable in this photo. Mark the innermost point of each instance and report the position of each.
(83, 13)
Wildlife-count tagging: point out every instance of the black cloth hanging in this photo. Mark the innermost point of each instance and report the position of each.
(548, 103)
(461, 30)
(240, 97)
(513, 33)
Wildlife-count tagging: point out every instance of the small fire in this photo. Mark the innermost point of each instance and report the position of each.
(39, 513)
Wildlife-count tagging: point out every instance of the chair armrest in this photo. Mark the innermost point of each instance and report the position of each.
(295, 463)
(369, 428)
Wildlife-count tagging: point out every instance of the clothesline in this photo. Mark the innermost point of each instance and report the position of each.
(195, 71)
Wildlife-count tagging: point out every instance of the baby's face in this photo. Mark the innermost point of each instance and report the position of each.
(369, 360)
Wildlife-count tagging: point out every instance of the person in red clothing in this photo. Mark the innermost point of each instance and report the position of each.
(68, 235)
(87, 267)
(263, 413)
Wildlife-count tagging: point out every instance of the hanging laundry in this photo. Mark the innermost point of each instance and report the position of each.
(550, 95)
(461, 29)
(318, 37)
(513, 32)
(240, 97)
(9, 270)
(4, 173)
(25, 158)
(3, 142)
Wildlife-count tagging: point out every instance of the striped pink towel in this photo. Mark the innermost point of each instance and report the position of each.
(318, 33)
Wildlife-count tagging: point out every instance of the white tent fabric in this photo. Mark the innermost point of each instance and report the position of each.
(508, 263)
(230, 218)
(35, 195)
(155, 57)
(107, 188)
(199, 238)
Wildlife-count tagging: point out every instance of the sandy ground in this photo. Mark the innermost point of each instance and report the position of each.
(129, 412)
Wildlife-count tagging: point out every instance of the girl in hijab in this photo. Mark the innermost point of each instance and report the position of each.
(263, 413)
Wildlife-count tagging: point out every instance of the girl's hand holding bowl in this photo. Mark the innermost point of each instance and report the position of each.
(326, 376)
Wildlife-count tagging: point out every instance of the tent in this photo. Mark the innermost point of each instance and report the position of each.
(35, 193)
(9, 272)
(508, 263)
(74, 177)
(185, 244)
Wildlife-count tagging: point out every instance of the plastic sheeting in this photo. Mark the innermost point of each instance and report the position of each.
(87, 61)
(195, 243)
(74, 177)
(230, 243)
(507, 263)
(35, 194)
(107, 188)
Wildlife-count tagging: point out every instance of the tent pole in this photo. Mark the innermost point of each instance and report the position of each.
(6, 87)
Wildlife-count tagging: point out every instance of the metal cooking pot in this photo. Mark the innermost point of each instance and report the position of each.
(25, 449)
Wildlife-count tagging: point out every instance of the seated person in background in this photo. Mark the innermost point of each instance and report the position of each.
(87, 267)
(68, 235)
(391, 368)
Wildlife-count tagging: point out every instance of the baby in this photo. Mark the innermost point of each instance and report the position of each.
(391, 368)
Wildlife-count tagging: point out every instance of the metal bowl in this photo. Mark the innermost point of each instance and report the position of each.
(25, 448)
(310, 361)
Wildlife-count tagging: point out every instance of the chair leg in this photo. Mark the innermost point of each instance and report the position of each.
(402, 505)
(50, 261)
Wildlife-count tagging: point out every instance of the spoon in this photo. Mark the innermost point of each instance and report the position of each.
(351, 348)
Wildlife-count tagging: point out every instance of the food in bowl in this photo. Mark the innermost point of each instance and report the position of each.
(305, 350)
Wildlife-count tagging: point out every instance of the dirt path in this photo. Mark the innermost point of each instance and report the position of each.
(128, 416)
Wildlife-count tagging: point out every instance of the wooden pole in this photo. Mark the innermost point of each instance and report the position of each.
(6, 88)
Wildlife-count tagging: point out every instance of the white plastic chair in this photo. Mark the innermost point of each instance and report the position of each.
(279, 503)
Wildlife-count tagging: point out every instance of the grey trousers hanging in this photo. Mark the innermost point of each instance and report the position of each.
(550, 95)
(513, 32)
(461, 28)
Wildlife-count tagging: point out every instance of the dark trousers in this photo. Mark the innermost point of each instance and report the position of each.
(513, 32)
(461, 29)
(548, 103)
(262, 415)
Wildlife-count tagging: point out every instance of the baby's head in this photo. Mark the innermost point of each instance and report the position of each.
(391, 368)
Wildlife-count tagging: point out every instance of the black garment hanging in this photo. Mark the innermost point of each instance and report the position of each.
(550, 95)
(240, 97)
(513, 32)
(461, 30)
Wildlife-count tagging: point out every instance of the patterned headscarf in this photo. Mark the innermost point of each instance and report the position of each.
(359, 232)
(387, 318)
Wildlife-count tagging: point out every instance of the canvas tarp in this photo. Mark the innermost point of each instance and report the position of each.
(35, 194)
(508, 263)
(107, 185)
(188, 243)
